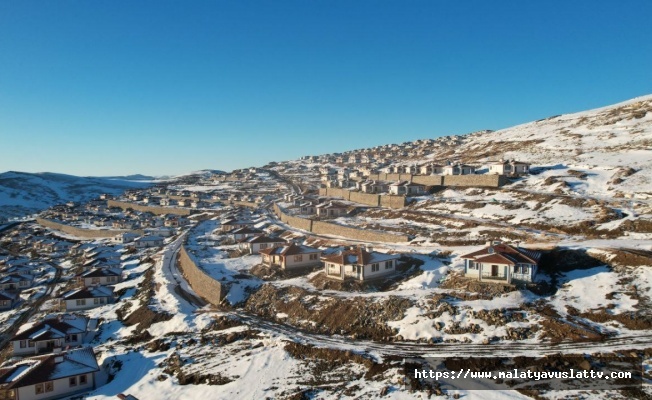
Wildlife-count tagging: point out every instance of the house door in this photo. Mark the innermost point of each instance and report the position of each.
(494, 270)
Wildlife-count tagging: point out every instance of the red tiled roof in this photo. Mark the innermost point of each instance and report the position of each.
(511, 253)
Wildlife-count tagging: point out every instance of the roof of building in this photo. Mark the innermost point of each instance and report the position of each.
(358, 256)
(245, 230)
(264, 239)
(48, 368)
(53, 328)
(11, 278)
(505, 254)
(89, 292)
(7, 296)
(290, 250)
(100, 272)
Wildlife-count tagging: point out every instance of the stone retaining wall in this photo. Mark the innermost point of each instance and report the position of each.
(202, 283)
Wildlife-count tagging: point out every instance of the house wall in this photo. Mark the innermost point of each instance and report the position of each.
(71, 305)
(381, 271)
(203, 284)
(104, 280)
(83, 233)
(305, 262)
(61, 388)
(153, 209)
(503, 270)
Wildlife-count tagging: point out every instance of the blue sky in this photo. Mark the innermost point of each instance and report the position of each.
(168, 87)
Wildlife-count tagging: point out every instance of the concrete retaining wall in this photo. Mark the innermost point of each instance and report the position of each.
(153, 209)
(365, 198)
(329, 228)
(80, 232)
(202, 283)
(475, 180)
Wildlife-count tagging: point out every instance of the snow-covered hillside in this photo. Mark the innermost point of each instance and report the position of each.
(607, 150)
(24, 193)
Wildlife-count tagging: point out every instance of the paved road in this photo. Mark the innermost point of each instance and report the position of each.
(169, 265)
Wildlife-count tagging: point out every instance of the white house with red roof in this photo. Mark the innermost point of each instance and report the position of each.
(253, 245)
(291, 256)
(359, 264)
(500, 262)
(53, 376)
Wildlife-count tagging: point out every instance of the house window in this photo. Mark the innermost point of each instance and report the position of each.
(81, 302)
(96, 301)
(30, 343)
(23, 344)
(298, 258)
(38, 388)
(72, 338)
(82, 379)
(389, 264)
(49, 386)
(72, 381)
(374, 267)
(473, 265)
(95, 280)
(263, 245)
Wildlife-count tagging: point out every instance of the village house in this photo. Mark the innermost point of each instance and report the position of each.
(8, 300)
(308, 207)
(359, 264)
(406, 188)
(371, 186)
(244, 233)
(431, 169)
(253, 245)
(184, 202)
(509, 167)
(148, 241)
(232, 224)
(458, 169)
(291, 256)
(66, 330)
(52, 376)
(159, 231)
(499, 262)
(16, 282)
(125, 237)
(100, 276)
(331, 209)
(167, 202)
(87, 297)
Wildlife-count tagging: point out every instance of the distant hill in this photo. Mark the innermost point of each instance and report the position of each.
(23, 193)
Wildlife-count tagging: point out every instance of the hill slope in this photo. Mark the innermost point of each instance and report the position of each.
(27, 193)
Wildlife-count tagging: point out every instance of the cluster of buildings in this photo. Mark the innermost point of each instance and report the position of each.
(51, 356)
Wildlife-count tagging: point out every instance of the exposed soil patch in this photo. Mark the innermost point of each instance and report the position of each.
(483, 290)
(275, 273)
(359, 317)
